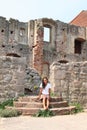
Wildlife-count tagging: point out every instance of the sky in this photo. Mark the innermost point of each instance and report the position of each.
(25, 10)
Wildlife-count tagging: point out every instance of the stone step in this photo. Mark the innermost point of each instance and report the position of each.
(56, 111)
(40, 105)
(28, 105)
(58, 104)
(34, 98)
(63, 110)
(20, 104)
(25, 110)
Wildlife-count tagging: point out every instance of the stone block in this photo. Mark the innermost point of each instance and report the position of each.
(7, 78)
(60, 74)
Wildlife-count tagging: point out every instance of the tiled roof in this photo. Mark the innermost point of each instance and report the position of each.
(81, 19)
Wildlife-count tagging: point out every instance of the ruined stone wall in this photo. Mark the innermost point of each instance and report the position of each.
(63, 45)
(14, 38)
(49, 48)
(15, 76)
(27, 40)
(60, 47)
(16, 50)
(51, 25)
(70, 81)
(13, 32)
(40, 48)
(4, 29)
(35, 35)
(65, 42)
(31, 36)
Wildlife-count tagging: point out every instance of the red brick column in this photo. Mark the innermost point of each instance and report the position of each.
(38, 50)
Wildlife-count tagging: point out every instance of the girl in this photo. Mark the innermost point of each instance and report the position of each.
(45, 88)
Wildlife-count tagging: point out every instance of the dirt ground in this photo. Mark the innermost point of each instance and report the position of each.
(65, 122)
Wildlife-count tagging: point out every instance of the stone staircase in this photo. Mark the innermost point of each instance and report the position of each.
(28, 105)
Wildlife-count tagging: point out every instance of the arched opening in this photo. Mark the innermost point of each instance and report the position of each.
(13, 55)
(78, 45)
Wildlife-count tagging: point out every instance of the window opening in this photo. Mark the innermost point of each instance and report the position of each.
(78, 46)
(46, 34)
(11, 32)
(3, 45)
(2, 30)
(22, 31)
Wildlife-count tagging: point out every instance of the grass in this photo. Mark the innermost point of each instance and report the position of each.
(44, 113)
(6, 103)
(78, 108)
(9, 113)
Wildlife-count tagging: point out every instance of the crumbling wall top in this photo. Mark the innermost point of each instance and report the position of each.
(49, 21)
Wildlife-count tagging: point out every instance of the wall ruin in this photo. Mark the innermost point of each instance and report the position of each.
(66, 42)
(14, 38)
(70, 81)
(24, 45)
(16, 77)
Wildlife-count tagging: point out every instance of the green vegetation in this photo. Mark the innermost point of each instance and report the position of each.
(78, 108)
(35, 87)
(9, 113)
(22, 95)
(52, 94)
(43, 113)
(6, 103)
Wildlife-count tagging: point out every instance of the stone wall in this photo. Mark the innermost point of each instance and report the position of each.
(16, 50)
(65, 42)
(13, 31)
(14, 38)
(22, 45)
(26, 39)
(16, 77)
(70, 81)
(61, 45)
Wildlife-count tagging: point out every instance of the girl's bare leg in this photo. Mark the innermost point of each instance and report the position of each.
(44, 102)
(48, 103)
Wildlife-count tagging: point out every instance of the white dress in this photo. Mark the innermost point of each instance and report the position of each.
(45, 90)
